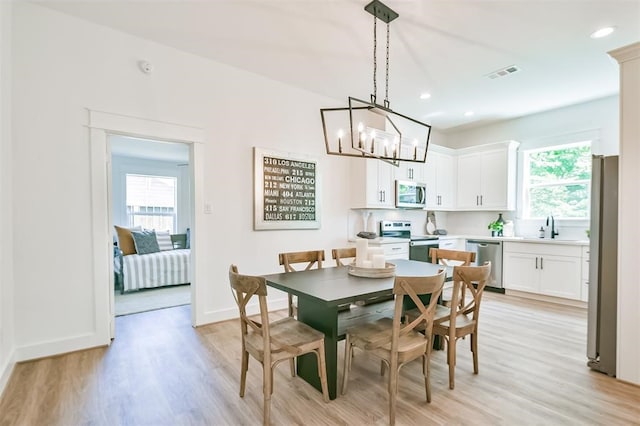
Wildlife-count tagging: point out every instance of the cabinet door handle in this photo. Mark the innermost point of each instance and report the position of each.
(477, 198)
(481, 200)
(541, 267)
(536, 262)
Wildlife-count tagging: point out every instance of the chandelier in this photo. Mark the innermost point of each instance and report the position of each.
(367, 129)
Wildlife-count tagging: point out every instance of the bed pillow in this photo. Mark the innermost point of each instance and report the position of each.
(164, 240)
(145, 241)
(125, 240)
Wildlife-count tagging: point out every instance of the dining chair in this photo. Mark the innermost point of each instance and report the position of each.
(308, 258)
(451, 258)
(288, 260)
(340, 254)
(396, 343)
(272, 343)
(458, 320)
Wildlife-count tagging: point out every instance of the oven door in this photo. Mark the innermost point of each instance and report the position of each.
(419, 250)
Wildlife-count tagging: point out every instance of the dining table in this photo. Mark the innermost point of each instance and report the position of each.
(322, 293)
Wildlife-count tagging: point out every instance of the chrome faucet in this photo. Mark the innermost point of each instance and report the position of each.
(553, 226)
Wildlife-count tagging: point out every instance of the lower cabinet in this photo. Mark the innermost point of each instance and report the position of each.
(548, 269)
(452, 243)
(393, 250)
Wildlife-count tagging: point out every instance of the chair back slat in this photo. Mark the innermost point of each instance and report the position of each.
(471, 278)
(474, 279)
(415, 287)
(452, 257)
(339, 254)
(310, 258)
(245, 288)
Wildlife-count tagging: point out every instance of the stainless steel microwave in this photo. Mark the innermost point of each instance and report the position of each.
(410, 194)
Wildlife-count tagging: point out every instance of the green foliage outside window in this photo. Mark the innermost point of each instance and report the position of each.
(557, 181)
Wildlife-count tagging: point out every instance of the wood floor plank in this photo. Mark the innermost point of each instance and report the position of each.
(161, 371)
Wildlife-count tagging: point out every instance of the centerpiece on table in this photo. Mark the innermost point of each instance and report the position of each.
(370, 262)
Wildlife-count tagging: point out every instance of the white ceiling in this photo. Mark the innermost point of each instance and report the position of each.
(445, 47)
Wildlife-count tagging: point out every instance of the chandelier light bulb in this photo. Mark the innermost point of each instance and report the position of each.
(340, 134)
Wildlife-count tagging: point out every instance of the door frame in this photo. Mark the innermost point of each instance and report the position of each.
(102, 124)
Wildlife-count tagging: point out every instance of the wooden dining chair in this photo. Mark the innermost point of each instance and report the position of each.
(458, 320)
(451, 258)
(272, 343)
(308, 259)
(340, 254)
(396, 343)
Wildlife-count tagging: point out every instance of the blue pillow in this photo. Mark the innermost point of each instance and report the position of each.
(145, 241)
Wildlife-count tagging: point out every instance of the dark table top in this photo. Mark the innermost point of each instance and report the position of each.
(335, 286)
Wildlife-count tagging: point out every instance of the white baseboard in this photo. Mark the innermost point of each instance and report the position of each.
(232, 313)
(545, 298)
(5, 372)
(61, 346)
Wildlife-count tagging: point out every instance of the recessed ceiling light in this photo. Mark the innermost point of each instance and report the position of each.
(425, 95)
(602, 32)
(434, 114)
(468, 113)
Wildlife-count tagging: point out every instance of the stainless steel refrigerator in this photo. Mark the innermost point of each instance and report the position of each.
(603, 264)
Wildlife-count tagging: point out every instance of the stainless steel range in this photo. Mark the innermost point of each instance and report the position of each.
(420, 244)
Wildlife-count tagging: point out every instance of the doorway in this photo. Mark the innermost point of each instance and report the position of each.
(101, 125)
(150, 191)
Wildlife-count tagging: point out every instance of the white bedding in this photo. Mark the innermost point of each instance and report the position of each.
(156, 269)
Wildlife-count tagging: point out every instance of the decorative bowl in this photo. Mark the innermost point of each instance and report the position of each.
(388, 271)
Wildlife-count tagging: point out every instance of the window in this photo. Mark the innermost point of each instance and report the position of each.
(557, 181)
(151, 202)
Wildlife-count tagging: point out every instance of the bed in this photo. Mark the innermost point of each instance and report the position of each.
(166, 267)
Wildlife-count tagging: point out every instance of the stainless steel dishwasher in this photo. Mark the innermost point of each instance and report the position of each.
(489, 250)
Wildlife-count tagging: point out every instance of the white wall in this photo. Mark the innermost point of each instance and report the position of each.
(601, 115)
(597, 120)
(628, 337)
(7, 337)
(121, 166)
(69, 65)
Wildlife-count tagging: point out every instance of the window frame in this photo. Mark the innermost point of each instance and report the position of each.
(526, 178)
(130, 216)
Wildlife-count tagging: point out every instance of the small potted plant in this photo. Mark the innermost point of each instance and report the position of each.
(496, 228)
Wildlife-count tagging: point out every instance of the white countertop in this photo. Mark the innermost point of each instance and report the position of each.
(394, 240)
(519, 239)
(383, 240)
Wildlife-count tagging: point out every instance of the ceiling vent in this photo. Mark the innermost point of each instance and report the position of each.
(503, 72)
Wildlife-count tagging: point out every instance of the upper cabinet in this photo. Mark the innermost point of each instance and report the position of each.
(481, 177)
(487, 177)
(373, 184)
(440, 177)
(408, 170)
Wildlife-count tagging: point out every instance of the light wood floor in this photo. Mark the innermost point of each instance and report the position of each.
(161, 371)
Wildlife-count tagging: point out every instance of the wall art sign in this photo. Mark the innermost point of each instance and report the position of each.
(286, 190)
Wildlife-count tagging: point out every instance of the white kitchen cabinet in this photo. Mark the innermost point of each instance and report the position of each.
(548, 269)
(393, 250)
(486, 177)
(440, 177)
(408, 170)
(372, 184)
(452, 243)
